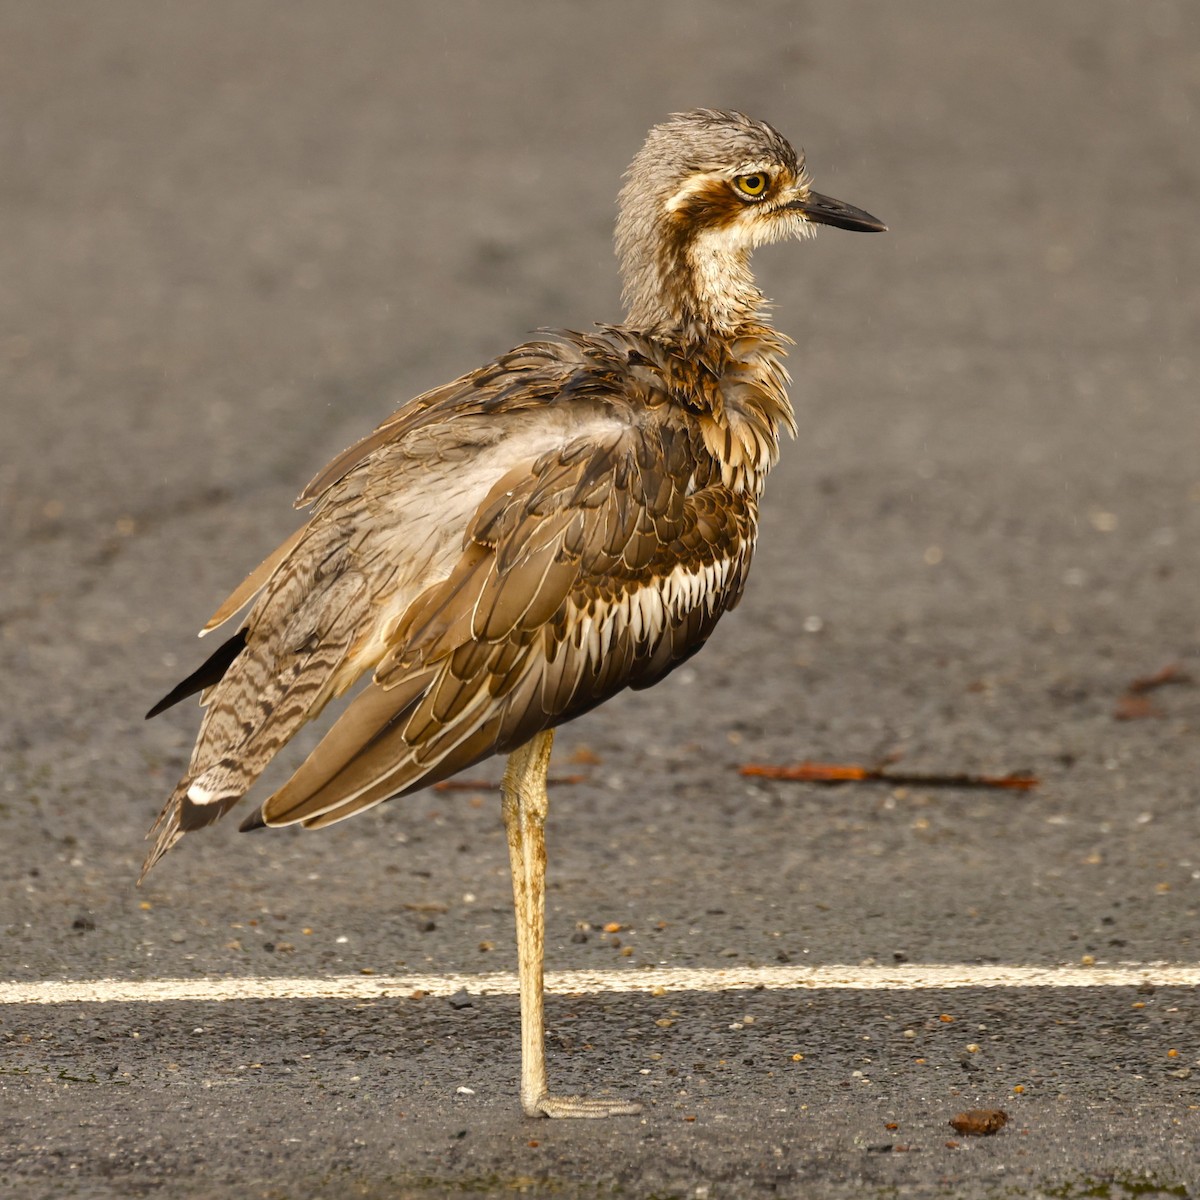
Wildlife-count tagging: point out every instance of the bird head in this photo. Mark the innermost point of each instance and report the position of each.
(704, 191)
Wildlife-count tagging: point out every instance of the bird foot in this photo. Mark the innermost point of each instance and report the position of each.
(581, 1106)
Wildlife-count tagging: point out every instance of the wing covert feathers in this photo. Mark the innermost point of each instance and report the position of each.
(569, 592)
(252, 584)
(502, 555)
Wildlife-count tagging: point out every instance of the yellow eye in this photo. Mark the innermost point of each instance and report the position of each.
(751, 185)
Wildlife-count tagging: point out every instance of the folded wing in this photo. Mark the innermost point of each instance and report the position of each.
(500, 556)
(592, 572)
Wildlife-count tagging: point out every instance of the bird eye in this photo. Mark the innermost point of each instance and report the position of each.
(751, 185)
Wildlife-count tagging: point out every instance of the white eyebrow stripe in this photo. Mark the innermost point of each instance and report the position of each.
(692, 186)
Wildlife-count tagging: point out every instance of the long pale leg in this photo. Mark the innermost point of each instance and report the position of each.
(525, 805)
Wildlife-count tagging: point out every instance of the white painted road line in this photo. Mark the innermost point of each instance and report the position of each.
(932, 977)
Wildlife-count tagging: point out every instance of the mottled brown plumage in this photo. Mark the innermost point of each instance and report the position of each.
(510, 550)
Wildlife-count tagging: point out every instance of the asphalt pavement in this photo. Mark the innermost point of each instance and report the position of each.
(235, 235)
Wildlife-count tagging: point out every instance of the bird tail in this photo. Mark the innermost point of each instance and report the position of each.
(300, 652)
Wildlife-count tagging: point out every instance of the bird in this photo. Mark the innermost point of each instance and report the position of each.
(509, 550)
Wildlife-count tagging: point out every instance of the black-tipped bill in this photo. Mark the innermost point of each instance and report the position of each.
(825, 210)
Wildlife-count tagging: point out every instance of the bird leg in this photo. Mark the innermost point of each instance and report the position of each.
(525, 806)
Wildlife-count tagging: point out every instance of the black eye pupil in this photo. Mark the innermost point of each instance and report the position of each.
(753, 183)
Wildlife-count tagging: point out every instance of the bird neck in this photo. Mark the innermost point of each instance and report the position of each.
(696, 290)
(691, 294)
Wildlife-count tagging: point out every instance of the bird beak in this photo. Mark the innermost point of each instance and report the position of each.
(824, 210)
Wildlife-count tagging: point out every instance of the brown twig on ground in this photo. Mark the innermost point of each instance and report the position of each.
(1135, 704)
(814, 772)
(1171, 673)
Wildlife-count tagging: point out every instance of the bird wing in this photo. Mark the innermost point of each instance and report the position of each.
(598, 569)
(502, 554)
(388, 521)
(490, 389)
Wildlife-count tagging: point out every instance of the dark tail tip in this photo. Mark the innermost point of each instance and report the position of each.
(252, 822)
(210, 672)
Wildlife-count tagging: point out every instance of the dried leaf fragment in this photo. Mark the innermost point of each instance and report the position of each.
(979, 1122)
